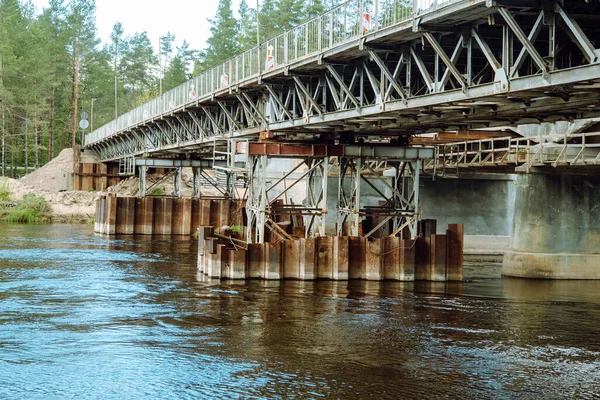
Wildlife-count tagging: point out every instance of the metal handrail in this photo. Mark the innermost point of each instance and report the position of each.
(348, 21)
(518, 151)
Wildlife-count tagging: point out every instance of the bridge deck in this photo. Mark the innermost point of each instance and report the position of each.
(440, 65)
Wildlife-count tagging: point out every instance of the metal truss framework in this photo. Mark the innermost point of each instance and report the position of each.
(400, 207)
(356, 164)
(199, 168)
(263, 206)
(468, 65)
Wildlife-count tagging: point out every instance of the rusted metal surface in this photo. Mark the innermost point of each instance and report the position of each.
(431, 258)
(294, 149)
(163, 215)
(125, 223)
(454, 247)
(94, 176)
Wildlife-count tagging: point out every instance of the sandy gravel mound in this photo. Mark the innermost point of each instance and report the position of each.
(130, 186)
(54, 176)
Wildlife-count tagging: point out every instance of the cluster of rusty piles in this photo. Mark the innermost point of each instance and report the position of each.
(163, 215)
(429, 257)
(94, 176)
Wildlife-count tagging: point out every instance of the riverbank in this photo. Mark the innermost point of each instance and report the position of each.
(65, 206)
(52, 183)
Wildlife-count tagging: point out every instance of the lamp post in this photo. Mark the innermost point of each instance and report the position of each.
(257, 26)
(92, 116)
(160, 66)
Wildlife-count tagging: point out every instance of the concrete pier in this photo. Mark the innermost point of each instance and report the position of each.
(433, 258)
(556, 228)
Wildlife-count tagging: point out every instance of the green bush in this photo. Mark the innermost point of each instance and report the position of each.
(4, 190)
(30, 209)
(158, 191)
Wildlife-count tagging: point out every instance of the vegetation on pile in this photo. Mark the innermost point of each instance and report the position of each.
(30, 209)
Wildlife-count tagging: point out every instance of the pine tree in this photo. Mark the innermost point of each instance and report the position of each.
(137, 62)
(52, 24)
(247, 26)
(82, 30)
(177, 73)
(164, 56)
(223, 44)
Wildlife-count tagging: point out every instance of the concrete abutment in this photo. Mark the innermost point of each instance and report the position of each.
(556, 229)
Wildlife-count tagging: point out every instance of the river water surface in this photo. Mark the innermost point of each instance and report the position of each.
(90, 317)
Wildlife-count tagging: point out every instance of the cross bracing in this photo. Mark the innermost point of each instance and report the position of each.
(432, 66)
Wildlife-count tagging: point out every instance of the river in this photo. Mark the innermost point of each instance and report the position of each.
(84, 316)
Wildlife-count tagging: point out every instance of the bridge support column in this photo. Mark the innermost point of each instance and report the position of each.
(398, 210)
(556, 228)
(142, 189)
(177, 182)
(316, 196)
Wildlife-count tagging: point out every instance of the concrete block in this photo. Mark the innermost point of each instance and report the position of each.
(423, 259)
(454, 247)
(291, 259)
(408, 261)
(357, 260)
(163, 209)
(237, 260)
(125, 222)
(205, 232)
(255, 255)
(374, 260)
(272, 260)
(438, 258)
(99, 220)
(144, 216)
(307, 259)
(200, 262)
(392, 258)
(111, 215)
(341, 254)
(325, 257)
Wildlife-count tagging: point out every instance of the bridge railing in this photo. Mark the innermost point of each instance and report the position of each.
(569, 149)
(343, 23)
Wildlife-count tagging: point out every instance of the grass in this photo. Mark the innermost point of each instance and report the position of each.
(157, 192)
(4, 190)
(30, 209)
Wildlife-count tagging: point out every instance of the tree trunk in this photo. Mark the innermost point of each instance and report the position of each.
(75, 95)
(37, 141)
(51, 124)
(12, 150)
(26, 144)
(3, 142)
(3, 135)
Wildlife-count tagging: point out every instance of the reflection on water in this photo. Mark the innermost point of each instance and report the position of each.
(85, 316)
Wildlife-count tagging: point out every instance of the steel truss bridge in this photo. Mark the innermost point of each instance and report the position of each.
(372, 73)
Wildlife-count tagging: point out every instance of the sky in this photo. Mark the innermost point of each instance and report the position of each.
(186, 19)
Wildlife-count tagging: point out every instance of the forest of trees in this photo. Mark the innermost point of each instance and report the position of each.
(53, 66)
